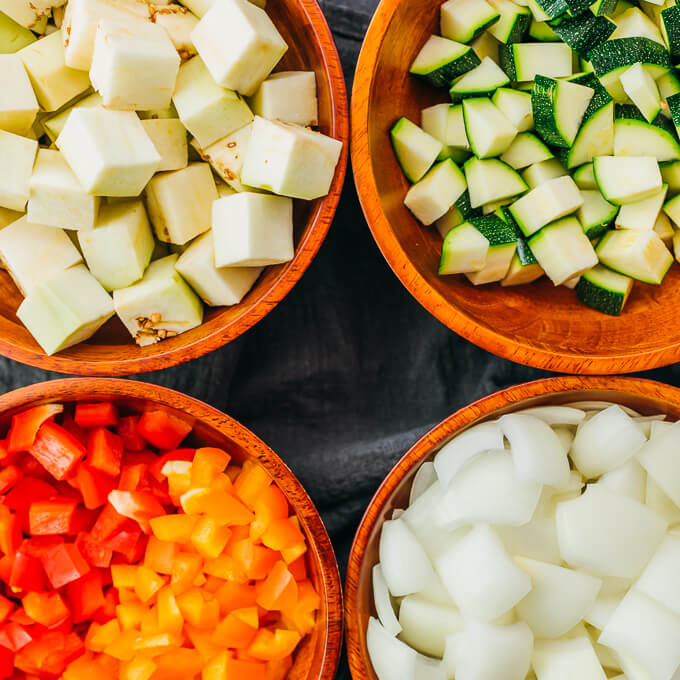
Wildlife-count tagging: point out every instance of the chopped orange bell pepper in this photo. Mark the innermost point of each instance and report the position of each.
(251, 482)
(237, 629)
(160, 555)
(130, 615)
(170, 619)
(282, 534)
(235, 596)
(178, 473)
(124, 575)
(47, 609)
(122, 648)
(99, 637)
(201, 640)
(209, 537)
(208, 462)
(147, 583)
(268, 646)
(149, 624)
(137, 668)
(216, 669)
(198, 611)
(185, 568)
(245, 670)
(175, 528)
(270, 505)
(216, 503)
(302, 616)
(278, 591)
(278, 670)
(178, 664)
(227, 568)
(255, 560)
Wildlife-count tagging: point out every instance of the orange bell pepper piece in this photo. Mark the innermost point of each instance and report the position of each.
(222, 506)
(47, 609)
(226, 567)
(270, 505)
(237, 629)
(185, 568)
(278, 670)
(137, 668)
(302, 617)
(251, 482)
(122, 648)
(268, 646)
(278, 591)
(178, 664)
(124, 575)
(170, 619)
(176, 528)
(99, 637)
(147, 583)
(130, 615)
(244, 670)
(209, 537)
(282, 534)
(207, 464)
(256, 560)
(198, 611)
(201, 640)
(160, 555)
(235, 596)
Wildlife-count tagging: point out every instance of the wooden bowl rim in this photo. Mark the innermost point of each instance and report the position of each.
(428, 296)
(75, 389)
(305, 252)
(511, 397)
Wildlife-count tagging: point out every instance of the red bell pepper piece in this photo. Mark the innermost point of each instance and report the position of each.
(94, 486)
(108, 609)
(93, 551)
(54, 516)
(27, 572)
(37, 545)
(107, 524)
(17, 634)
(140, 506)
(6, 607)
(103, 414)
(6, 662)
(85, 596)
(128, 431)
(6, 563)
(125, 541)
(106, 451)
(56, 661)
(47, 609)
(10, 532)
(57, 450)
(25, 426)
(162, 429)
(133, 477)
(160, 461)
(71, 426)
(32, 468)
(63, 564)
(20, 617)
(9, 476)
(26, 491)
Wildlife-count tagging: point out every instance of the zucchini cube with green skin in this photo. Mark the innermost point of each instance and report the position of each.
(456, 136)
(634, 23)
(226, 155)
(488, 131)
(217, 286)
(416, 150)
(27, 14)
(33, 252)
(435, 121)
(627, 179)
(525, 150)
(563, 250)
(481, 80)
(57, 197)
(638, 138)
(464, 250)
(502, 246)
(54, 82)
(524, 61)
(642, 90)
(289, 96)
(169, 137)
(207, 110)
(441, 60)
(595, 214)
(118, 250)
(109, 151)
(134, 65)
(79, 28)
(604, 290)
(540, 173)
(180, 203)
(519, 274)
(252, 230)
(290, 160)
(463, 20)
(514, 21)
(585, 177)
(17, 154)
(670, 22)
(18, 107)
(516, 107)
(239, 44)
(54, 124)
(546, 203)
(67, 308)
(178, 22)
(595, 138)
(664, 229)
(491, 180)
(672, 209)
(161, 305)
(559, 106)
(13, 36)
(431, 197)
(642, 214)
(641, 255)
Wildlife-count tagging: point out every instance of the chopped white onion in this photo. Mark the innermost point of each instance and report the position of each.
(629, 480)
(661, 578)
(568, 658)
(422, 481)
(661, 460)
(391, 658)
(556, 415)
(383, 603)
(426, 625)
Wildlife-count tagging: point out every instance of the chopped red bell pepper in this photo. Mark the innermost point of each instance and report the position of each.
(106, 451)
(6, 662)
(103, 414)
(140, 506)
(9, 476)
(10, 532)
(27, 572)
(159, 462)
(71, 426)
(133, 477)
(25, 426)
(85, 596)
(6, 607)
(54, 516)
(163, 429)
(128, 431)
(37, 545)
(93, 551)
(27, 490)
(6, 563)
(108, 609)
(108, 523)
(63, 564)
(94, 486)
(47, 609)
(57, 450)
(126, 540)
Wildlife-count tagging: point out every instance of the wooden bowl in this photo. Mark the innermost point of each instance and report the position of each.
(318, 654)
(112, 350)
(537, 324)
(646, 396)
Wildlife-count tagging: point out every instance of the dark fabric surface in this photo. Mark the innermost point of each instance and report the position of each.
(348, 371)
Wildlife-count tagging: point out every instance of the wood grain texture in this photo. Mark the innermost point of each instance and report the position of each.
(646, 396)
(538, 325)
(111, 351)
(318, 655)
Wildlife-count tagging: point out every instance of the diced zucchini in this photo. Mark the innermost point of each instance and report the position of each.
(416, 151)
(464, 250)
(456, 135)
(672, 209)
(642, 90)
(596, 214)
(524, 61)
(13, 36)
(585, 177)
(538, 173)
(491, 180)
(603, 7)
(488, 131)
(546, 203)
(516, 107)
(553, 8)
(668, 85)
(670, 174)
(563, 250)
(463, 20)
(432, 196)
(502, 246)
(664, 229)
(634, 23)
(451, 219)
(526, 150)
(513, 23)
(466, 209)
(639, 138)
(481, 80)
(670, 20)
(441, 60)
(519, 274)
(673, 103)
(559, 106)
(537, 10)
(627, 179)
(435, 121)
(584, 32)
(595, 138)
(543, 31)
(485, 45)
(526, 257)
(642, 214)
(604, 290)
(638, 254)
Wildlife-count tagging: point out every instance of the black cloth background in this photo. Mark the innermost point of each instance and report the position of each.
(348, 371)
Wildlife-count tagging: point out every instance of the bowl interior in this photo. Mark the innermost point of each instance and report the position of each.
(112, 350)
(647, 397)
(538, 324)
(317, 656)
